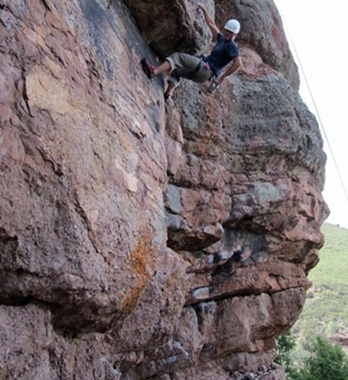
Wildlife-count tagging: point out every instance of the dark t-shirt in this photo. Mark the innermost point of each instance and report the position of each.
(222, 54)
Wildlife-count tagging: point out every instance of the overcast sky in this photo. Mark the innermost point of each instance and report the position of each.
(317, 30)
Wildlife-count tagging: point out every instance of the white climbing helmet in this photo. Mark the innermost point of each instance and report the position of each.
(232, 26)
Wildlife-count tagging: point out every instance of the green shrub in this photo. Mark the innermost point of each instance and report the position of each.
(285, 345)
(323, 361)
(326, 362)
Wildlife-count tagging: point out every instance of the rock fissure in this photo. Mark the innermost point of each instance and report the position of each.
(85, 221)
(212, 293)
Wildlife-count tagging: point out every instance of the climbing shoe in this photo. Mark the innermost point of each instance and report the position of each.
(148, 68)
(213, 86)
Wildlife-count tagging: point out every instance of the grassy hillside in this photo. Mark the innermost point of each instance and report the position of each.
(326, 309)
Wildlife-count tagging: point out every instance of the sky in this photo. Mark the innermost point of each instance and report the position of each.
(317, 33)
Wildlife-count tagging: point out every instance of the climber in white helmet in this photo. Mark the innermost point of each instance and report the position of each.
(200, 69)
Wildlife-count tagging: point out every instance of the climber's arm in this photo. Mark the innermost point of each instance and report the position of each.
(236, 65)
(210, 22)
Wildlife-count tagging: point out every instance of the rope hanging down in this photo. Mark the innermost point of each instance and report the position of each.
(315, 105)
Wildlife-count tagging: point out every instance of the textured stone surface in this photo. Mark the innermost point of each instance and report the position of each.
(140, 239)
(172, 26)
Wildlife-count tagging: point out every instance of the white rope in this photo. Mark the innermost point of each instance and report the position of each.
(314, 104)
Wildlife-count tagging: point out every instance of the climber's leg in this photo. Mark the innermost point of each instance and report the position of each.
(151, 70)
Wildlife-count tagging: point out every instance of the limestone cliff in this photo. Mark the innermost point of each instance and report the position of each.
(140, 239)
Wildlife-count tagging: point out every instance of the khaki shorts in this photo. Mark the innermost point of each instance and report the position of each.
(184, 66)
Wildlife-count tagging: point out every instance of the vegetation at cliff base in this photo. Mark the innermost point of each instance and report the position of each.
(324, 361)
(326, 309)
(318, 342)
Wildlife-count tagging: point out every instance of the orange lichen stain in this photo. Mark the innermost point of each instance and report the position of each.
(142, 263)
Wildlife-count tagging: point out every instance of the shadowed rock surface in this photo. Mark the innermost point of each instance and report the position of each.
(144, 240)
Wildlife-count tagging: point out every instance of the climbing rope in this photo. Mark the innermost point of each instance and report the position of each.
(314, 104)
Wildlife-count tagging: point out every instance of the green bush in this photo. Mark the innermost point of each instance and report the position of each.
(326, 362)
(323, 361)
(285, 345)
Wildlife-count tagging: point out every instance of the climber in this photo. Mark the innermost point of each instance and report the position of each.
(201, 69)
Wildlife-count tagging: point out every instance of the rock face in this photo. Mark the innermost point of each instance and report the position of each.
(140, 239)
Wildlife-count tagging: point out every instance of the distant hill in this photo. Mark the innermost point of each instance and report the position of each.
(326, 310)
